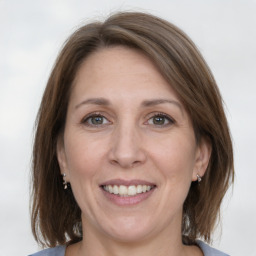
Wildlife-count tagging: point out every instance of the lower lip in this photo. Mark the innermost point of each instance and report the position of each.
(128, 200)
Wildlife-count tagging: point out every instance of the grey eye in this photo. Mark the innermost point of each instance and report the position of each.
(96, 120)
(159, 120)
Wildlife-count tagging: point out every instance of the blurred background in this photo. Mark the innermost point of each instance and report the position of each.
(31, 35)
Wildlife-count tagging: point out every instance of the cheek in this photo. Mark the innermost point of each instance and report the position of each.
(81, 157)
(176, 166)
(175, 157)
(84, 167)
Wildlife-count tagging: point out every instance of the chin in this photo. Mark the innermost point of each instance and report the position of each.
(129, 230)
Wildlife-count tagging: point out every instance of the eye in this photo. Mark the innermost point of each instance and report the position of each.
(95, 120)
(160, 120)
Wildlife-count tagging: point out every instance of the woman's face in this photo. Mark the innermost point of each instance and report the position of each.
(129, 149)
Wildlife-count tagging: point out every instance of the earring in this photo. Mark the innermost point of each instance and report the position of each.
(199, 179)
(65, 184)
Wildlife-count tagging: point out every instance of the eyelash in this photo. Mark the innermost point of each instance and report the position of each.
(86, 119)
(170, 120)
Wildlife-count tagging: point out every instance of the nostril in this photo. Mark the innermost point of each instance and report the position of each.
(114, 162)
(125, 164)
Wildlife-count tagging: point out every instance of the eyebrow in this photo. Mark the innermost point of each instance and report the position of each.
(149, 103)
(154, 102)
(145, 103)
(94, 101)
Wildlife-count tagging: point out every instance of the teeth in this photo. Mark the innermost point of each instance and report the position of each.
(122, 190)
(132, 190)
(127, 190)
(115, 190)
(139, 189)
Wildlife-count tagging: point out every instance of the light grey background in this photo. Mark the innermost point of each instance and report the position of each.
(31, 34)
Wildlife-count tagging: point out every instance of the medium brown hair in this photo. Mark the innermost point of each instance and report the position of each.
(55, 215)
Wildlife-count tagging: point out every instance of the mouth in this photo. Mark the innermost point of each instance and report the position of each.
(124, 193)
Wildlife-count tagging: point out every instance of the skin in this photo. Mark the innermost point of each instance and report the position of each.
(129, 143)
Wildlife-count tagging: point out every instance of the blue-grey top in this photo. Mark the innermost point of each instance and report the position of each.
(60, 251)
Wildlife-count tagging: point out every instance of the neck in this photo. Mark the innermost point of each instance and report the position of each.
(167, 243)
(118, 248)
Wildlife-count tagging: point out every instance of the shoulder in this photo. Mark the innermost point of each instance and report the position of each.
(209, 251)
(56, 251)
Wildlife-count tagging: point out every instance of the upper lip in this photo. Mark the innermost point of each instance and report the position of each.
(119, 182)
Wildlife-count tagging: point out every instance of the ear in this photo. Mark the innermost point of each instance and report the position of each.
(203, 154)
(61, 156)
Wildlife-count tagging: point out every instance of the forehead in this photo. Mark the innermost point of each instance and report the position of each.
(115, 60)
(119, 68)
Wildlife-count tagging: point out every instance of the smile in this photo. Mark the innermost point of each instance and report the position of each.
(125, 191)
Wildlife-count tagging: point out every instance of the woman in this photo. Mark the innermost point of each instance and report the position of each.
(132, 152)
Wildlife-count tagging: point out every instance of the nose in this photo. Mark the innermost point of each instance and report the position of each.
(127, 149)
